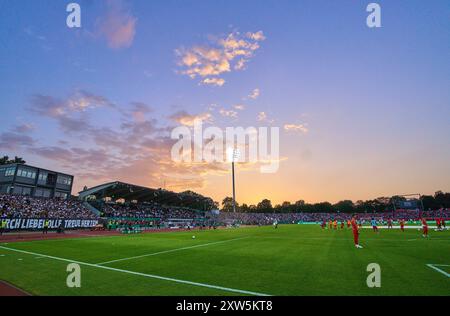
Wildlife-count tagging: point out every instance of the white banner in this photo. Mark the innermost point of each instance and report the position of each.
(34, 223)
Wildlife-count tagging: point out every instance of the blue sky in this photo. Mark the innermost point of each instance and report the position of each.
(373, 104)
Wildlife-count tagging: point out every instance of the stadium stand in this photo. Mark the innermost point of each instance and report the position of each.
(146, 211)
(269, 218)
(31, 207)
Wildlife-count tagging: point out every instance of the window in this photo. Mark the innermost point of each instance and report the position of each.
(10, 171)
(64, 180)
(42, 193)
(22, 190)
(43, 177)
(60, 195)
(26, 173)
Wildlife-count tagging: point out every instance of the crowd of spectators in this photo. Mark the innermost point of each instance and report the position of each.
(20, 206)
(29, 207)
(269, 218)
(143, 211)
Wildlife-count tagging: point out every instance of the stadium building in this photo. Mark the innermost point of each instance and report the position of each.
(23, 179)
(130, 193)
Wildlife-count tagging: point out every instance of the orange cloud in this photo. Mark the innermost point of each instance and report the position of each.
(118, 26)
(187, 119)
(211, 61)
(296, 128)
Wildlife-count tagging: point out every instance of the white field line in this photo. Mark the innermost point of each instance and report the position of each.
(152, 276)
(435, 267)
(171, 250)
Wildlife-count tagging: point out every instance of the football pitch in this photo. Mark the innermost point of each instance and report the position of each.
(290, 260)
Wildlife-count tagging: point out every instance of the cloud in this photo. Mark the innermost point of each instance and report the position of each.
(262, 116)
(187, 119)
(239, 107)
(122, 155)
(135, 148)
(140, 110)
(83, 100)
(68, 112)
(117, 26)
(296, 128)
(79, 101)
(14, 141)
(214, 82)
(24, 128)
(255, 94)
(222, 56)
(258, 36)
(16, 138)
(228, 113)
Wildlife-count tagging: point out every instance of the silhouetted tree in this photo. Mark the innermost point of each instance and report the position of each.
(6, 161)
(227, 204)
(264, 206)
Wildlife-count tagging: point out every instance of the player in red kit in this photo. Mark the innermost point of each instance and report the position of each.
(355, 230)
(425, 227)
(389, 222)
(438, 223)
(402, 225)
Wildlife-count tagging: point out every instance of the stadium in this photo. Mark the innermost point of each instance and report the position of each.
(210, 155)
(144, 241)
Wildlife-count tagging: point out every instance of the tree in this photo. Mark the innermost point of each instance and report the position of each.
(264, 206)
(244, 208)
(323, 207)
(6, 161)
(227, 204)
(19, 160)
(345, 206)
(442, 199)
(429, 203)
(381, 204)
(286, 204)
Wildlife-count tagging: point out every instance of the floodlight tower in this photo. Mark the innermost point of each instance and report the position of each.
(233, 155)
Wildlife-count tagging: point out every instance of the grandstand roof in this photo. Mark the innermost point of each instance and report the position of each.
(129, 192)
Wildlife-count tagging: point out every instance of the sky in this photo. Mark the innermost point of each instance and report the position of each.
(362, 112)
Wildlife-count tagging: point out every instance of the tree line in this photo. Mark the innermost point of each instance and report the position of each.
(429, 202)
(6, 161)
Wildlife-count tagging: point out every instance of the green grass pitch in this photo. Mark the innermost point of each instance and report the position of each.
(290, 260)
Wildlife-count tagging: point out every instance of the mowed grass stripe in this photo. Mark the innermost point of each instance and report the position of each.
(139, 273)
(171, 250)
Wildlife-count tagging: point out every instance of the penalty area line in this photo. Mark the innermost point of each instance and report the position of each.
(151, 276)
(435, 267)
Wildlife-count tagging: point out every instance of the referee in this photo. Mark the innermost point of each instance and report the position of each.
(46, 224)
(3, 225)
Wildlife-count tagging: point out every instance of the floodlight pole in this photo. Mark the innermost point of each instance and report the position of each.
(234, 187)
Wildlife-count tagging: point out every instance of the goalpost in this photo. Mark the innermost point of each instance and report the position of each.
(407, 202)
